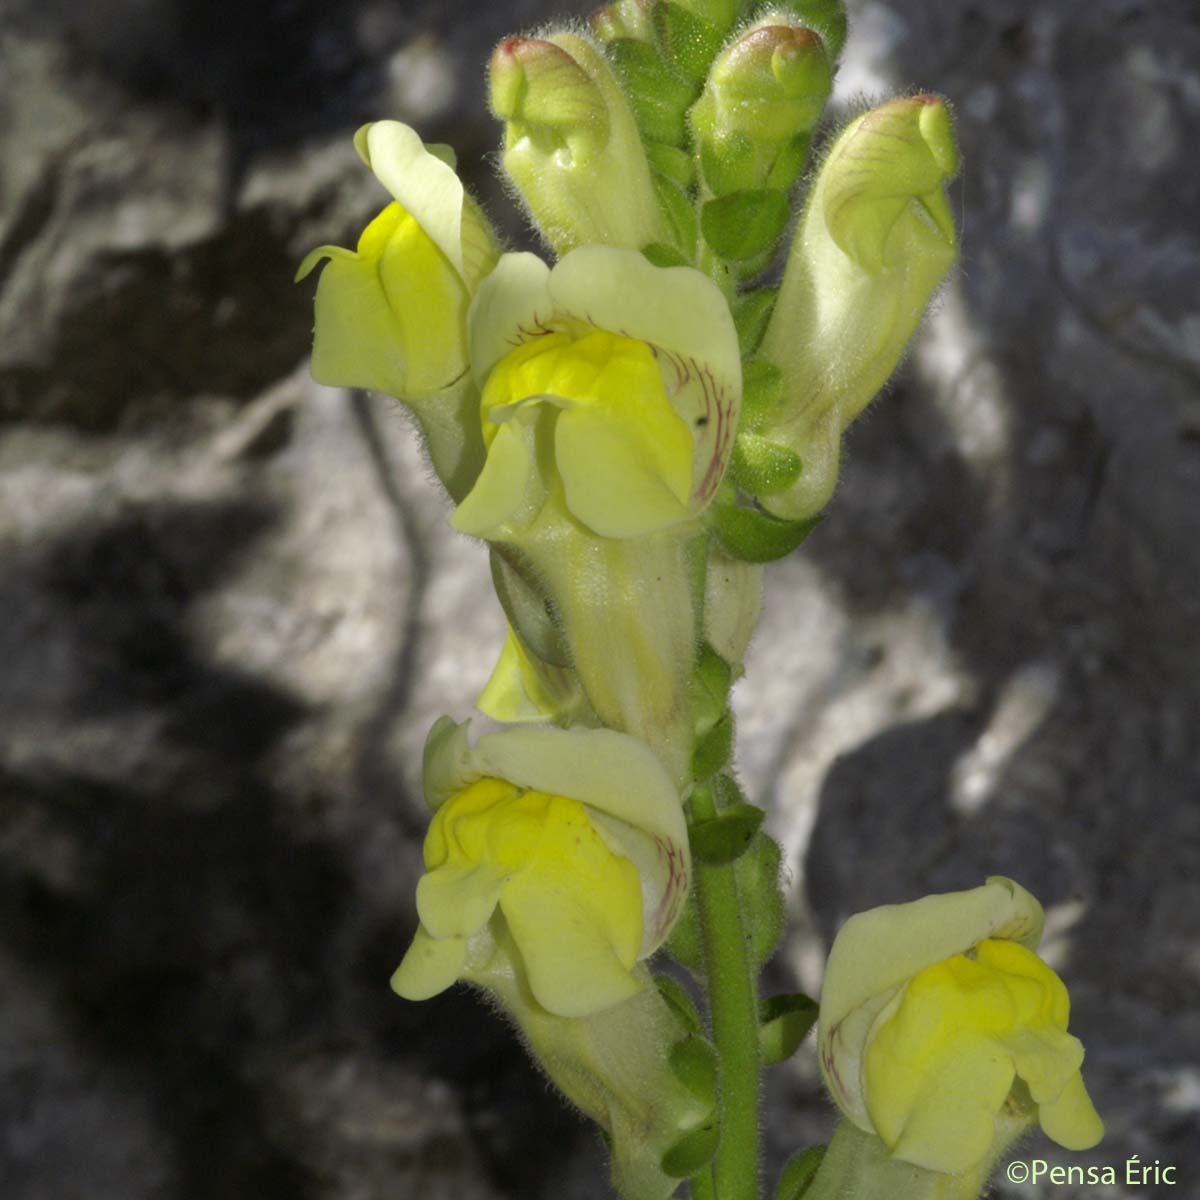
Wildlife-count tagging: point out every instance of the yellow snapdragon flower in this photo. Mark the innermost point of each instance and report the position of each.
(939, 1024)
(392, 314)
(557, 856)
(610, 389)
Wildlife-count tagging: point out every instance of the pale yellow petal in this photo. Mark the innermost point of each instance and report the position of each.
(1072, 1120)
(611, 483)
(501, 488)
(510, 307)
(457, 900)
(950, 1125)
(424, 184)
(430, 966)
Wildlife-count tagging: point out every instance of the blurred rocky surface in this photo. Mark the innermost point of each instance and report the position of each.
(231, 607)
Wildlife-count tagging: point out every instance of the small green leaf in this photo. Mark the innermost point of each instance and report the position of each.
(726, 837)
(756, 536)
(677, 208)
(692, 1152)
(798, 1173)
(762, 467)
(744, 224)
(727, 793)
(751, 312)
(757, 873)
(679, 1002)
(784, 1023)
(676, 164)
(658, 96)
(694, 1062)
(713, 750)
(711, 681)
(685, 944)
(662, 255)
(690, 41)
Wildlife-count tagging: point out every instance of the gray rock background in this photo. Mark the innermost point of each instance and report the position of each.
(230, 606)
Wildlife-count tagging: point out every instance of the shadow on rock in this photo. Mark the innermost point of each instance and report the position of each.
(197, 934)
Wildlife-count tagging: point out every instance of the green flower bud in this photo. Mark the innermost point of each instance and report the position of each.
(874, 241)
(827, 17)
(571, 144)
(754, 120)
(626, 20)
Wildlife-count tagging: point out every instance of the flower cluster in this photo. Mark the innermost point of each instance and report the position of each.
(633, 428)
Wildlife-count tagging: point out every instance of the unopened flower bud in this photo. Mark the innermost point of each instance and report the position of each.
(754, 120)
(626, 20)
(827, 17)
(571, 144)
(874, 241)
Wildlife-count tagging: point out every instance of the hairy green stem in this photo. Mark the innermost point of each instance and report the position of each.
(702, 1185)
(733, 1002)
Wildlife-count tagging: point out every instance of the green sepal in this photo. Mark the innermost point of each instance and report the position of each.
(676, 164)
(694, 1062)
(762, 467)
(678, 210)
(658, 96)
(826, 17)
(757, 873)
(784, 1022)
(728, 163)
(692, 1152)
(755, 536)
(724, 838)
(720, 14)
(714, 750)
(685, 943)
(745, 224)
(798, 1173)
(751, 312)
(691, 43)
(711, 682)
(786, 168)
(528, 610)
(762, 392)
(679, 1002)
(727, 793)
(662, 255)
